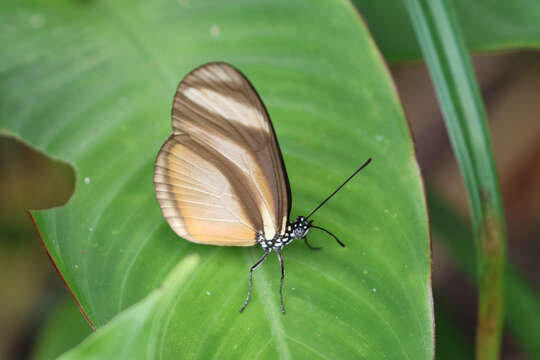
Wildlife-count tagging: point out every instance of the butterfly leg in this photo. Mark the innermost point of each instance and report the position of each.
(280, 258)
(257, 264)
(309, 245)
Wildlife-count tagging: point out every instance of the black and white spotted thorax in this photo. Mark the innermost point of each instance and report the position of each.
(295, 230)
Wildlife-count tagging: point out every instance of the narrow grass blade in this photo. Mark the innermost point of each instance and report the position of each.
(521, 298)
(444, 50)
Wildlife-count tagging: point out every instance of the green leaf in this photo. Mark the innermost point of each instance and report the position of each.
(64, 329)
(487, 25)
(452, 73)
(133, 333)
(92, 83)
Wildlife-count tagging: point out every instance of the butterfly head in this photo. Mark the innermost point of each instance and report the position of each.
(300, 227)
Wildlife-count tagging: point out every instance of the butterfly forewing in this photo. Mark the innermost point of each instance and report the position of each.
(220, 177)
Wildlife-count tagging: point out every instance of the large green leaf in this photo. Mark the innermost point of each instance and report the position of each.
(92, 83)
(487, 25)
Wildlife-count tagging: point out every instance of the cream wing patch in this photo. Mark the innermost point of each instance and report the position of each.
(230, 107)
(197, 200)
(247, 165)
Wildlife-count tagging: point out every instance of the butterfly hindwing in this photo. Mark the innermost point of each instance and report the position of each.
(220, 177)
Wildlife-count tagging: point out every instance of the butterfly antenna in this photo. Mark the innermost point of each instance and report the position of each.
(339, 188)
(329, 233)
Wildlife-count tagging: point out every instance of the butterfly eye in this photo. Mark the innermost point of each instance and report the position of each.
(299, 232)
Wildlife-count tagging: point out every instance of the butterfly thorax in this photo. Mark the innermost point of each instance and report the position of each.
(295, 230)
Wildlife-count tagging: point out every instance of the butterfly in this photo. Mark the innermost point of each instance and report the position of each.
(220, 178)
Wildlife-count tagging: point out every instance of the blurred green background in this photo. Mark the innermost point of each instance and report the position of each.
(35, 304)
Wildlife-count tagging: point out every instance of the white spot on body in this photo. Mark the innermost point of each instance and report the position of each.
(374, 290)
(379, 138)
(87, 180)
(76, 266)
(208, 292)
(91, 229)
